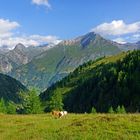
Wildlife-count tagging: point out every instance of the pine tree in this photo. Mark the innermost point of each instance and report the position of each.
(11, 108)
(93, 110)
(2, 106)
(111, 111)
(56, 102)
(118, 110)
(123, 110)
(31, 103)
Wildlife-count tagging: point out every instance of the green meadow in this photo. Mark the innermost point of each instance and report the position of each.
(70, 127)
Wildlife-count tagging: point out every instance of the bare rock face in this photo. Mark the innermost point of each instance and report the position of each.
(12, 58)
(20, 55)
(5, 64)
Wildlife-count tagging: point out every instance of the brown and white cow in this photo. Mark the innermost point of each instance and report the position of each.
(59, 114)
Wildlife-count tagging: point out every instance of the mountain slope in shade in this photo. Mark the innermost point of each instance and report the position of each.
(106, 82)
(9, 88)
(56, 63)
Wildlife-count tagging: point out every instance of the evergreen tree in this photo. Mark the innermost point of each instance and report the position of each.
(56, 102)
(31, 102)
(118, 110)
(11, 108)
(111, 111)
(2, 106)
(123, 110)
(93, 110)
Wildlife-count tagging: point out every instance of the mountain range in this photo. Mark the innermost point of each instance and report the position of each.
(42, 67)
(57, 62)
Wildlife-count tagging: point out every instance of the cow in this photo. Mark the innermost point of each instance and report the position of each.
(59, 114)
(65, 113)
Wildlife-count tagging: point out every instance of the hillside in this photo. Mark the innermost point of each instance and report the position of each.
(9, 88)
(106, 82)
(59, 61)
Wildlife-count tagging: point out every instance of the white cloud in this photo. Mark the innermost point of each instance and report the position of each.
(42, 2)
(136, 36)
(42, 39)
(8, 38)
(120, 40)
(33, 40)
(117, 27)
(6, 28)
(13, 41)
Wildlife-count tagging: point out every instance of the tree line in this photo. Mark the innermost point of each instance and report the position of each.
(29, 104)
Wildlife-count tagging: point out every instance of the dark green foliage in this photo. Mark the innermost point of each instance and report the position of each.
(93, 110)
(9, 88)
(111, 81)
(30, 102)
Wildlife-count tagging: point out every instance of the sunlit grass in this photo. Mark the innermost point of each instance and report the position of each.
(72, 127)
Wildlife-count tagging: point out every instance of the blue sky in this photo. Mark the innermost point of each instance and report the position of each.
(66, 19)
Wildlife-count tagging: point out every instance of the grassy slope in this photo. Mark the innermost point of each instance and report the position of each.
(73, 127)
(85, 73)
(79, 91)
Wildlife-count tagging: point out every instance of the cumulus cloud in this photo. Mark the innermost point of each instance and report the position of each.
(136, 36)
(120, 40)
(117, 27)
(42, 39)
(8, 38)
(6, 28)
(42, 2)
(33, 40)
(11, 42)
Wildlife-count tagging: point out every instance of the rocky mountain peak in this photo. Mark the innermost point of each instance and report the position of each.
(20, 47)
(83, 40)
(88, 38)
